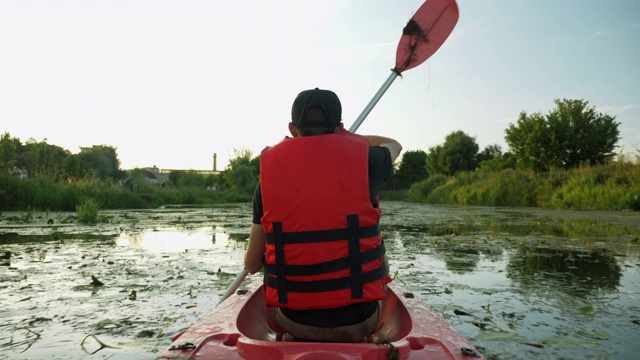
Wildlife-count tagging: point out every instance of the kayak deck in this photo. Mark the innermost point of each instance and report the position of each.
(239, 328)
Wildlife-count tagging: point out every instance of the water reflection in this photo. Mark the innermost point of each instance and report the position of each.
(239, 237)
(462, 260)
(18, 238)
(575, 272)
(177, 240)
(171, 240)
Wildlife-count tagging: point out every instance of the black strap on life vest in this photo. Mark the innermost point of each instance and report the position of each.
(352, 233)
(280, 265)
(327, 285)
(304, 237)
(325, 267)
(355, 262)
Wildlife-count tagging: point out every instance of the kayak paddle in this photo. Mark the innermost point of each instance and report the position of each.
(423, 35)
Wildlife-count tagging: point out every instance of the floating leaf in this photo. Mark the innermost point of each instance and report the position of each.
(481, 325)
(96, 282)
(593, 333)
(503, 336)
(102, 345)
(461, 313)
(561, 342)
(588, 309)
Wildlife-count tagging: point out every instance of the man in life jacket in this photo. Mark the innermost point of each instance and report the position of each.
(316, 224)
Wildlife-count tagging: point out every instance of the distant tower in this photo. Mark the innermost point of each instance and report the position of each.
(215, 162)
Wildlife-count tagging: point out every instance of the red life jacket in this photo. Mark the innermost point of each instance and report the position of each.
(323, 243)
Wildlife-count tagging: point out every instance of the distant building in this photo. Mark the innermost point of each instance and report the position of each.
(154, 176)
(88, 149)
(203, 172)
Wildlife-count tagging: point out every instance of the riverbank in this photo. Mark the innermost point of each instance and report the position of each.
(613, 187)
(45, 194)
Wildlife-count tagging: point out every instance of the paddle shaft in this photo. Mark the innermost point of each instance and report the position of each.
(236, 284)
(374, 100)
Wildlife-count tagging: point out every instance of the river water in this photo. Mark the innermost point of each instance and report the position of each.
(519, 283)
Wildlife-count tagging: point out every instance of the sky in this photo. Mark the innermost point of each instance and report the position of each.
(170, 83)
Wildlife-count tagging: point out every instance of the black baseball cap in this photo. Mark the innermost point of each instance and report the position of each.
(324, 99)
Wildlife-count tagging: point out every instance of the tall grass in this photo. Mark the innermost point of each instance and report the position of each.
(610, 187)
(42, 193)
(88, 211)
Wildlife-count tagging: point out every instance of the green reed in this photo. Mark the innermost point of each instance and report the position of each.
(87, 211)
(615, 186)
(42, 193)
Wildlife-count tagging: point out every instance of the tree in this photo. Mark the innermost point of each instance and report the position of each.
(53, 160)
(491, 159)
(497, 163)
(8, 156)
(567, 136)
(174, 176)
(489, 152)
(242, 173)
(102, 162)
(71, 166)
(191, 179)
(413, 168)
(458, 153)
(31, 157)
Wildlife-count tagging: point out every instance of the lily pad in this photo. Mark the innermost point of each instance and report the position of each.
(593, 333)
(562, 342)
(503, 336)
(588, 309)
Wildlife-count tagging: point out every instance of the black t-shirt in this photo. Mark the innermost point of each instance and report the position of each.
(380, 165)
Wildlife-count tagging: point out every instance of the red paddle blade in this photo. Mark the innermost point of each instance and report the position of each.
(425, 33)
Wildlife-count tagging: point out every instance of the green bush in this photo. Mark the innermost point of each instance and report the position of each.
(615, 186)
(420, 191)
(87, 211)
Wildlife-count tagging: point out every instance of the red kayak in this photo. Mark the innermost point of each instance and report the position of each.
(239, 328)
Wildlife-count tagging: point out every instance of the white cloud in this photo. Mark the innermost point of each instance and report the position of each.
(615, 109)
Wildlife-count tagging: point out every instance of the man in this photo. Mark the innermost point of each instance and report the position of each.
(316, 225)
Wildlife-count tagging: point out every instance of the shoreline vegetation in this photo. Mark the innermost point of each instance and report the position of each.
(612, 187)
(563, 160)
(45, 194)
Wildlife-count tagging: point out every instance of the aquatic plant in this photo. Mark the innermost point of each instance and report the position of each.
(88, 211)
(27, 217)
